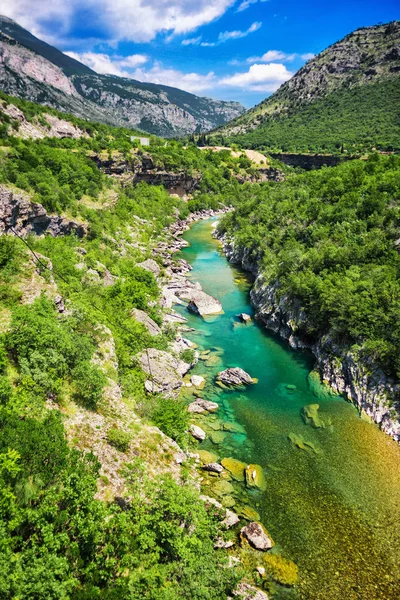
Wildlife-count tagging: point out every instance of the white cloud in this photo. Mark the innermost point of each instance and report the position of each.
(107, 65)
(192, 41)
(245, 4)
(274, 55)
(224, 36)
(191, 82)
(259, 78)
(136, 20)
(307, 56)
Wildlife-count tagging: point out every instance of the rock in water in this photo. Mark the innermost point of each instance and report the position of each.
(257, 537)
(235, 377)
(235, 468)
(213, 467)
(197, 432)
(255, 477)
(203, 304)
(244, 317)
(311, 417)
(201, 406)
(198, 381)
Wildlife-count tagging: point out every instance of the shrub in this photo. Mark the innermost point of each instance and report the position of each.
(89, 383)
(118, 438)
(172, 418)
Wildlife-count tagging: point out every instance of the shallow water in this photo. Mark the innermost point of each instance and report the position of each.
(333, 508)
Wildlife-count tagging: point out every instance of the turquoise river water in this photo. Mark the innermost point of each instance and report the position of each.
(333, 506)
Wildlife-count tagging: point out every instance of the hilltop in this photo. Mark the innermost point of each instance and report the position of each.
(347, 97)
(36, 71)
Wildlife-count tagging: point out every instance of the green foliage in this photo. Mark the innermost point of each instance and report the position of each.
(187, 356)
(89, 382)
(172, 418)
(356, 119)
(118, 438)
(328, 237)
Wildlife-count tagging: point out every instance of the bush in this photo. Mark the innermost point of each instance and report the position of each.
(89, 383)
(118, 438)
(172, 418)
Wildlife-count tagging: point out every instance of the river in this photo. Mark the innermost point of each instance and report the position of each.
(333, 506)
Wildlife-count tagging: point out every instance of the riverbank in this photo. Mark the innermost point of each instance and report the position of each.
(343, 370)
(328, 509)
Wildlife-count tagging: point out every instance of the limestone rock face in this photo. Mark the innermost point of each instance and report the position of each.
(25, 217)
(164, 369)
(234, 377)
(142, 317)
(257, 537)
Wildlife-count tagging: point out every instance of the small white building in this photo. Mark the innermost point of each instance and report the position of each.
(144, 141)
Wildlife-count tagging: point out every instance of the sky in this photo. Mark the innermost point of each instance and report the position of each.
(239, 50)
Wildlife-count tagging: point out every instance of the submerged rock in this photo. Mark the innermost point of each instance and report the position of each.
(207, 457)
(255, 477)
(299, 442)
(311, 416)
(235, 467)
(234, 377)
(223, 488)
(249, 513)
(257, 537)
(281, 569)
(244, 317)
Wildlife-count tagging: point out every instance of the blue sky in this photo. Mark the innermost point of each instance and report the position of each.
(227, 49)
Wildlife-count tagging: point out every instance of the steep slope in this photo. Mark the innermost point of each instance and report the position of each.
(34, 70)
(349, 94)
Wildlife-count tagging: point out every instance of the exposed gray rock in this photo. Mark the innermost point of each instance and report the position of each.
(249, 592)
(231, 519)
(165, 370)
(150, 265)
(256, 535)
(197, 432)
(245, 317)
(221, 543)
(18, 214)
(203, 304)
(200, 406)
(235, 377)
(142, 317)
(213, 467)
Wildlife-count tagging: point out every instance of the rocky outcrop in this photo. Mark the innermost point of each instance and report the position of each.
(201, 406)
(234, 377)
(203, 304)
(165, 371)
(142, 317)
(343, 369)
(248, 592)
(311, 161)
(18, 214)
(257, 537)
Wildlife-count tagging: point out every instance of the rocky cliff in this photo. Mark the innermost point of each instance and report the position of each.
(34, 70)
(19, 215)
(340, 367)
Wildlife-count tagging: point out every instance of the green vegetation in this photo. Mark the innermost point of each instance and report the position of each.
(328, 238)
(355, 120)
(118, 438)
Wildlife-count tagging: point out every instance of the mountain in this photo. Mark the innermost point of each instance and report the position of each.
(349, 95)
(34, 70)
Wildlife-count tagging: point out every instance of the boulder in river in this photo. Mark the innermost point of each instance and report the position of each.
(203, 304)
(244, 317)
(257, 537)
(197, 432)
(213, 467)
(234, 377)
(200, 406)
(255, 477)
(198, 381)
(235, 468)
(207, 457)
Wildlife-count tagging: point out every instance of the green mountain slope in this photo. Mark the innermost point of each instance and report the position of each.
(347, 95)
(34, 70)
